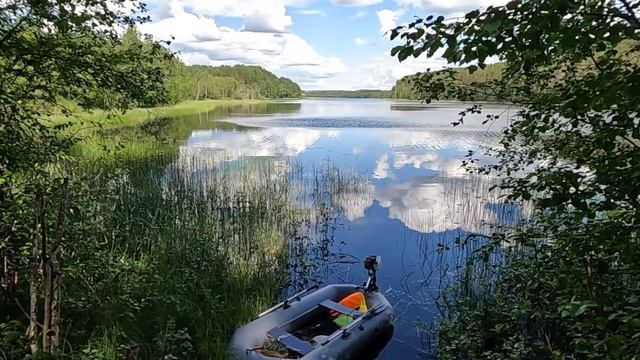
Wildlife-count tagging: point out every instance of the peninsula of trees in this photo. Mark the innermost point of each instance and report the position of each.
(405, 89)
(199, 82)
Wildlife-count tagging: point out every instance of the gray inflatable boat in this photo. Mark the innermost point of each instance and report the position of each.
(303, 326)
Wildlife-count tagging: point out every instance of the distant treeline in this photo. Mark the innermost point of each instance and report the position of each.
(174, 81)
(404, 88)
(375, 94)
(199, 82)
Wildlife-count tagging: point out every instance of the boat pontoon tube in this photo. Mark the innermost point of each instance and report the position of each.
(348, 342)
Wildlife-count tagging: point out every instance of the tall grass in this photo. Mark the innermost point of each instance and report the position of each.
(173, 254)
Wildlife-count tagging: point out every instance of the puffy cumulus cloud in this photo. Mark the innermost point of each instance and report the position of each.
(183, 27)
(200, 40)
(233, 8)
(356, 3)
(257, 15)
(267, 19)
(449, 5)
(380, 73)
(388, 19)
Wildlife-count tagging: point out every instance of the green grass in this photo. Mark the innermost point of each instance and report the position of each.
(174, 254)
(84, 118)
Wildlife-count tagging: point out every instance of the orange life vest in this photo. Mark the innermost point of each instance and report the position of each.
(354, 300)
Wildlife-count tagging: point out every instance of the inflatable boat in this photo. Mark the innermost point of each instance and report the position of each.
(322, 323)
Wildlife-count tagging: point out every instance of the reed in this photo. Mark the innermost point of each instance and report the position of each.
(174, 253)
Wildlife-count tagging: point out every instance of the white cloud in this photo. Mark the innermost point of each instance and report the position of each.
(264, 39)
(267, 19)
(358, 15)
(258, 15)
(380, 73)
(361, 41)
(388, 19)
(356, 2)
(449, 5)
(312, 12)
(184, 27)
(261, 42)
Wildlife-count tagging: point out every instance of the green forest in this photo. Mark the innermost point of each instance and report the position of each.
(177, 81)
(200, 82)
(405, 88)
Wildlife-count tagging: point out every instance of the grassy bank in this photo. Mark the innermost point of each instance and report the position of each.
(166, 255)
(83, 118)
(170, 264)
(166, 252)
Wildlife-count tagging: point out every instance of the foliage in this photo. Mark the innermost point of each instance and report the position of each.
(566, 284)
(404, 88)
(363, 93)
(166, 268)
(223, 82)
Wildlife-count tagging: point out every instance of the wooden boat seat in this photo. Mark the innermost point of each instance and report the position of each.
(332, 305)
(290, 341)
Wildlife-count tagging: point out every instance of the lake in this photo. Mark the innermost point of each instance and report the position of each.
(382, 177)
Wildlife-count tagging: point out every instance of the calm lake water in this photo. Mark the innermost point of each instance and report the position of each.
(390, 178)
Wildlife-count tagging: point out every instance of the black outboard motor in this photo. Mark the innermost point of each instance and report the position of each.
(372, 264)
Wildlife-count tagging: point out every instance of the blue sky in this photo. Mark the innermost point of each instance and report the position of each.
(321, 44)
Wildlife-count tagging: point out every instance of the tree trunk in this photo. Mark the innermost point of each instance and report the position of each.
(46, 324)
(36, 262)
(198, 93)
(52, 307)
(56, 296)
(32, 331)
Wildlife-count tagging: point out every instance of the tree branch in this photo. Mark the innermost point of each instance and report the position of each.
(630, 10)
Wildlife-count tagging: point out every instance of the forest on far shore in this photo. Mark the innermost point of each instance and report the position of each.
(177, 80)
(404, 88)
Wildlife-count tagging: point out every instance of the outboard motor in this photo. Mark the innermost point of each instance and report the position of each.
(372, 264)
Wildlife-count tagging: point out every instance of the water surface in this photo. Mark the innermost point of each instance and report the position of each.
(401, 192)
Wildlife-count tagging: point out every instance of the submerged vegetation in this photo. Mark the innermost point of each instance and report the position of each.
(564, 284)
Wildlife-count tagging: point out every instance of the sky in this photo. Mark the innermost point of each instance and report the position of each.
(320, 44)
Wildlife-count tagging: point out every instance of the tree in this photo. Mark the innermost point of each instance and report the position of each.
(52, 50)
(569, 286)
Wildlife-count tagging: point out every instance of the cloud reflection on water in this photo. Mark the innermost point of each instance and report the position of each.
(415, 174)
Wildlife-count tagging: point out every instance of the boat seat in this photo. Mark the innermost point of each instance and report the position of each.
(341, 308)
(290, 341)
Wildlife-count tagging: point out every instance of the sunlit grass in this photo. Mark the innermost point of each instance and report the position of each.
(86, 121)
(198, 250)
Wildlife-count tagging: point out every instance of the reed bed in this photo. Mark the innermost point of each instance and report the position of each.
(174, 253)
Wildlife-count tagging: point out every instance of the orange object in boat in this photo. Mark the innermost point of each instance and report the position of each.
(354, 300)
